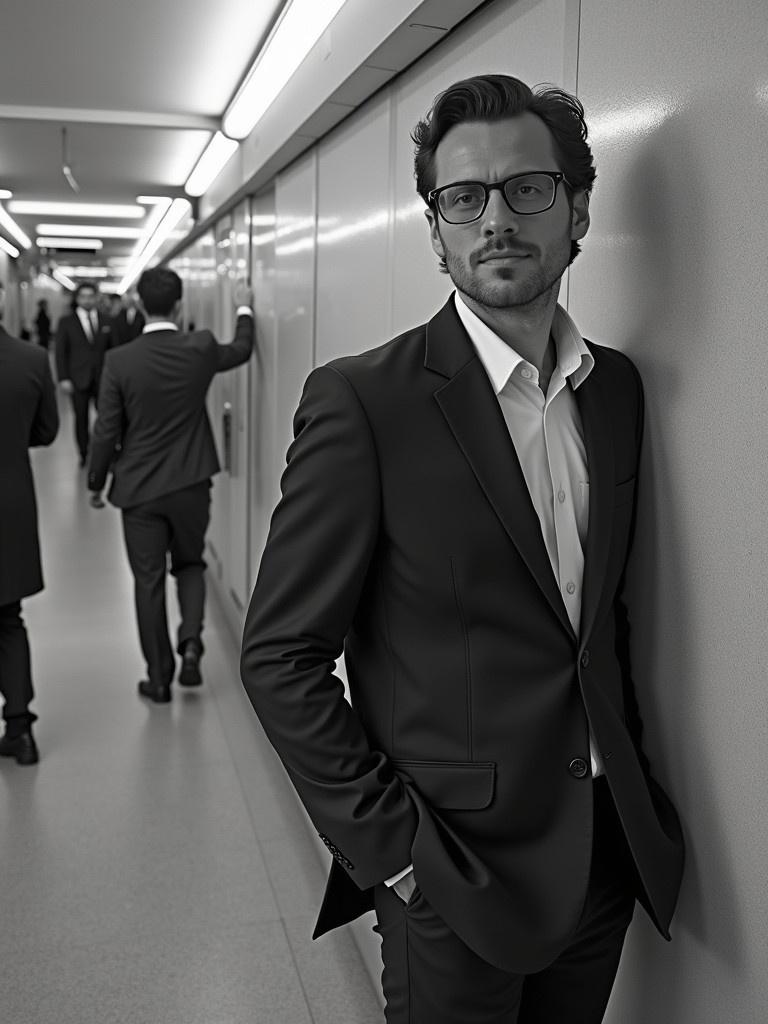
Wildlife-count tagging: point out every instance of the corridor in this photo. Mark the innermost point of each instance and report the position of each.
(156, 866)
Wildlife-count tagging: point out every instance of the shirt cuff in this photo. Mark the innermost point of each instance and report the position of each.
(244, 311)
(396, 878)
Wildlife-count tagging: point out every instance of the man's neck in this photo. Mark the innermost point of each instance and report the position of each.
(526, 329)
(167, 319)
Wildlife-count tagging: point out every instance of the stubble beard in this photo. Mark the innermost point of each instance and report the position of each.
(512, 287)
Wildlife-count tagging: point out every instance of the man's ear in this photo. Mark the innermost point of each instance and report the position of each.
(434, 233)
(579, 215)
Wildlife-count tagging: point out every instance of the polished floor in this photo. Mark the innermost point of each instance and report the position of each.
(155, 868)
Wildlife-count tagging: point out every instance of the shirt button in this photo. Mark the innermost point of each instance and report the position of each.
(561, 496)
(525, 372)
(570, 587)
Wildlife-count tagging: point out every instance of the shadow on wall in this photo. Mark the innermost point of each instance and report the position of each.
(667, 273)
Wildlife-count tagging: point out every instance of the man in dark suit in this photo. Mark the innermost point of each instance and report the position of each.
(456, 516)
(152, 415)
(82, 338)
(28, 417)
(129, 322)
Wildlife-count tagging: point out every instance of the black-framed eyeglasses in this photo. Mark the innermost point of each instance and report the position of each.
(525, 194)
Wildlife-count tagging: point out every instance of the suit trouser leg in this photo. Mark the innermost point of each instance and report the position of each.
(15, 669)
(188, 511)
(80, 402)
(431, 977)
(147, 536)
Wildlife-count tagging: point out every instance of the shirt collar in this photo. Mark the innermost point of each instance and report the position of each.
(160, 325)
(500, 360)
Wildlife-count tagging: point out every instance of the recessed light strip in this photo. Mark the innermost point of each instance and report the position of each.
(106, 210)
(299, 28)
(10, 249)
(13, 228)
(49, 242)
(212, 161)
(177, 210)
(63, 279)
(89, 231)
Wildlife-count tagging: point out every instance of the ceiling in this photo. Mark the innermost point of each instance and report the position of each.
(139, 89)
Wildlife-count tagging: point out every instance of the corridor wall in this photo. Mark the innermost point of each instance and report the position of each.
(672, 273)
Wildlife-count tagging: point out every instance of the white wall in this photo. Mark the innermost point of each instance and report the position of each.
(673, 272)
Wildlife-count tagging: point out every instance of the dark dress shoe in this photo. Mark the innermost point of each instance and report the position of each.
(159, 694)
(189, 673)
(22, 747)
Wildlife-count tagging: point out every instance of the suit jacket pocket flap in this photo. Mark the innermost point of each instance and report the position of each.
(452, 785)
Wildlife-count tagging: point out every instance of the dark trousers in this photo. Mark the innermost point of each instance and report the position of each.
(15, 669)
(431, 977)
(81, 400)
(174, 525)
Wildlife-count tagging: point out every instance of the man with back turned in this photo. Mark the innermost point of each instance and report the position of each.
(154, 434)
(29, 417)
(456, 516)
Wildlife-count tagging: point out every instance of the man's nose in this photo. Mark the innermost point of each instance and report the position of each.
(498, 217)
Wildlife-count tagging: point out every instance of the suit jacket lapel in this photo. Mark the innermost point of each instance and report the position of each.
(473, 414)
(598, 442)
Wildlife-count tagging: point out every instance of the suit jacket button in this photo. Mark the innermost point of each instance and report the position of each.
(585, 659)
(578, 767)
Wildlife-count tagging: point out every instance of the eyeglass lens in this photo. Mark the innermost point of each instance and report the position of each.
(529, 193)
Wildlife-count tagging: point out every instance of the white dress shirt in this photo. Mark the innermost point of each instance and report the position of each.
(90, 322)
(547, 435)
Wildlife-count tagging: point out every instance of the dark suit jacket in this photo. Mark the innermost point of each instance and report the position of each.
(152, 406)
(28, 417)
(125, 332)
(406, 536)
(77, 358)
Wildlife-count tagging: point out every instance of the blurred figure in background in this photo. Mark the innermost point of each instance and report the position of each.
(152, 405)
(28, 417)
(43, 324)
(82, 338)
(129, 321)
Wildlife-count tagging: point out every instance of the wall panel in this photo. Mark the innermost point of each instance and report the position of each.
(353, 218)
(673, 272)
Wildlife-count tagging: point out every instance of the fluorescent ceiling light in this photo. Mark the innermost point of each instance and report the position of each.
(45, 209)
(179, 208)
(298, 29)
(63, 279)
(13, 228)
(7, 247)
(85, 271)
(5, 193)
(150, 200)
(69, 243)
(212, 161)
(88, 231)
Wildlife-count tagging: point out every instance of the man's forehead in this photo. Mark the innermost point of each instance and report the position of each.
(523, 142)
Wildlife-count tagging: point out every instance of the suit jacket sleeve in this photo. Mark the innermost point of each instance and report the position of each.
(321, 541)
(45, 425)
(239, 349)
(62, 350)
(108, 429)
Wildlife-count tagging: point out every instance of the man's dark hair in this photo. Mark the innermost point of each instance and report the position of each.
(497, 98)
(159, 289)
(85, 284)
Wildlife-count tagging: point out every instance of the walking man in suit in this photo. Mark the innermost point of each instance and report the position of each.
(28, 417)
(129, 322)
(82, 338)
(153, 422)
(456, 516)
